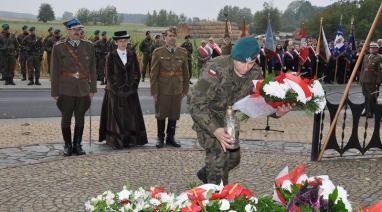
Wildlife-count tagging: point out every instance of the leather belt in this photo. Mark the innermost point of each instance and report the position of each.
(75, 75)
(170, 73)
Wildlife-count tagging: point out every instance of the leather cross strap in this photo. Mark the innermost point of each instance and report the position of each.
(77, 60)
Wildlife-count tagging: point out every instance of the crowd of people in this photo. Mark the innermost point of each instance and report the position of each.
(225, 73)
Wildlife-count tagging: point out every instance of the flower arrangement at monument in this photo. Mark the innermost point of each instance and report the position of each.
(289, 88)
(293, 192)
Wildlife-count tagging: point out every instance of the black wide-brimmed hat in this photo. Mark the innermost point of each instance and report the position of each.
(121, 35)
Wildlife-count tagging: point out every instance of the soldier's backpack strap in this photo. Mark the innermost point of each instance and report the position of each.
(77, 60)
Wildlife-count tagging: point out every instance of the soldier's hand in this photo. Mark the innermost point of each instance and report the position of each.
(224, 138)
(284, 109)
(55, 98)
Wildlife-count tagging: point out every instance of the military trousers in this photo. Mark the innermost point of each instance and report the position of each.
(369, 91)
(146, 64)
(168, 106)
(69, 105)
(48, 55)
(218, 163)
(189, 67)
(101, 68)
(8, 65)
(23, 64)
(34, 63)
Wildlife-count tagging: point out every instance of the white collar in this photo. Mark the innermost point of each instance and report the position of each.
(122, 52)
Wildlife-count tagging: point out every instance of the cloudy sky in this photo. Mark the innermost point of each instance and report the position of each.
(191, 8)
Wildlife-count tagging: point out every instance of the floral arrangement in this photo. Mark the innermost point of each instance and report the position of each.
(293, 192)
(272, 92)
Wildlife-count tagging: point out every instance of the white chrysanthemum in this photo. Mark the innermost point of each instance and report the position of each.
(327, 188)
(109, 198)
(89, 206)
(164, 197)
(250, 208)
(321, 103)
(343, 195)
(154, 202)
(275, 89)
(126, 208)
(224, 205)
(124, 194)
(316, 89)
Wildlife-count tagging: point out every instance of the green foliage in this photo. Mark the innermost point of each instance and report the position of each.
(266, 204)
(261, 19)
(236, 14)
(105, 16)
(164, 18)
(45, 13)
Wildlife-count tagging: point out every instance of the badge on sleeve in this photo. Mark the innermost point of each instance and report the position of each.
(211, 73)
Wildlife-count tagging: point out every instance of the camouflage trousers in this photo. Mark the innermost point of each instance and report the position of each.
(218, 163)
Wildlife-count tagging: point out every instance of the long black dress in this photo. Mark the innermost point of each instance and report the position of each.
(122, 123)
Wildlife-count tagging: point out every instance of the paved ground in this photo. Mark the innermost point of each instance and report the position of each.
(36, 177)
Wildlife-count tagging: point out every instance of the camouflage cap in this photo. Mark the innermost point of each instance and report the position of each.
(96, 32)
(24, 27)
(57, 31)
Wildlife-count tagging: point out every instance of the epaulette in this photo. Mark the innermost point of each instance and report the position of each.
(87, 41)
(60, 42)
(158, 49)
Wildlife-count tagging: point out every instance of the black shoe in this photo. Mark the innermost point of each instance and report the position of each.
(6, 81)
(31, 83)
(170, 140)
(161, 124)
(66, 134)
(370, 115)
(24, 78)
(11, 82)
(191, 83)
(77, 138)
(202, 175)
(37, 82)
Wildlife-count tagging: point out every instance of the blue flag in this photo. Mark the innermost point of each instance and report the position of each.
(269, 43)
(351, 45)
(339, 44)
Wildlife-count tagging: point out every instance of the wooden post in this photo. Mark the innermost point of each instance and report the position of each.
(318, 52)
(354, 72)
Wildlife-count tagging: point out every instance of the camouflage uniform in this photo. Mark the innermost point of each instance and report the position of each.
(218, 87)
(48, 47)
(22, 55)
(147, 48)
(101, 49)
(8, 54)
(370, 79)
(188, 46)
(34, 50)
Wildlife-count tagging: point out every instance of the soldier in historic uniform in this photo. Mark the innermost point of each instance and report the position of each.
(371, 78)
(102, 49)
(188, 46)
(147, 48)
(158, 42)
(73, 82)
(8, 54)
(49, 43)
(169, 84)
(223, 81)
(22, 52)
(34, 50)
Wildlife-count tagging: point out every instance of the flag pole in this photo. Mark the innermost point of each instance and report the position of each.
(352, 76)
(318, 53)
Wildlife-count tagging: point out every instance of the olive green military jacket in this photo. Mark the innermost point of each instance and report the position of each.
(217, 88)
(33, 45)
(371, 71)
(169, 72)
(62, 62)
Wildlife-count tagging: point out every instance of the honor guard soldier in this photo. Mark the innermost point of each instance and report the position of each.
(169, 84)
(8, 54)
(73, 82)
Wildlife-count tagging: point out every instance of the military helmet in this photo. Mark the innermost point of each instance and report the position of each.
(25, 27)
(96, 32)
(5, 26)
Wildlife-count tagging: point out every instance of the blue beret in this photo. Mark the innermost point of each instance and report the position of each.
(245, 49)
(5, 26)
(73, 23)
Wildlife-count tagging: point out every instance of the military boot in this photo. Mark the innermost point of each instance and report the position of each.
(10, 81)
(170, 140)
(31, 82)
(24, 77)
(6, 80)
(161, 124)
(67, 135)
(202, 175)
(37, 82)
(77, 138)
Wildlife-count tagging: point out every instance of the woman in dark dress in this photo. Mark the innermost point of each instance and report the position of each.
(122, 123)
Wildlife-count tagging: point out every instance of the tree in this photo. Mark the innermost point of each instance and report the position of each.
(236, 14)
(260, 19)
(83, 15)
(67, 15)
(45, 13)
